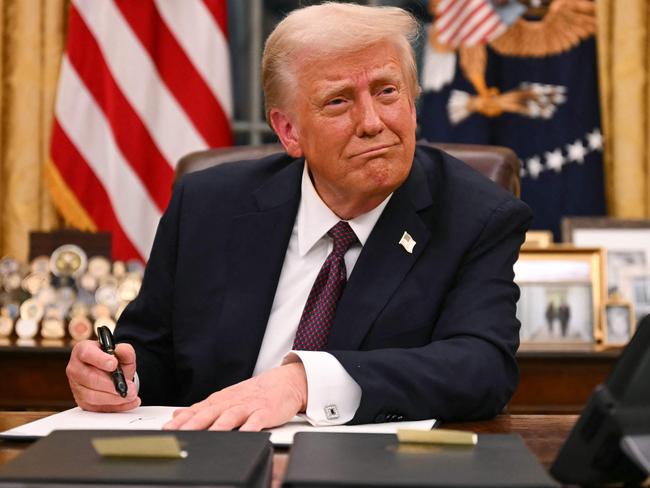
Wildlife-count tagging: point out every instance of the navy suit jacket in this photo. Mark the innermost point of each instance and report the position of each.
(426, 334)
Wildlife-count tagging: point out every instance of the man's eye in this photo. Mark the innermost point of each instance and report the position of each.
(388, 90)
(336, 101)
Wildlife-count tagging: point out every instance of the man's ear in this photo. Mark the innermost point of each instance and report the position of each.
(286, 132)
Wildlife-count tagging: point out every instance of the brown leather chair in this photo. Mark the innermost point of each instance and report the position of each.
(499, 164)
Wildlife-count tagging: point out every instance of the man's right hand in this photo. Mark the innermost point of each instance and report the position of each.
(89, 374)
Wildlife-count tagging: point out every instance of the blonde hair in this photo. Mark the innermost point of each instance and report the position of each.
(333, 28)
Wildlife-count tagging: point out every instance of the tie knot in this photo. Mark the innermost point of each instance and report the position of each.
(343, 237)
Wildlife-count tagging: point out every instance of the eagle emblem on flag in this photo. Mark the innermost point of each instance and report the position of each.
(464, 28)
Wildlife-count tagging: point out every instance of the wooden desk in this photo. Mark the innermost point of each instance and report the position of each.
(559, 379)
(34, 375)
(544, 435)
(552, 381)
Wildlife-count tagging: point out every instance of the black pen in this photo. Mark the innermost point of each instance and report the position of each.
(108, 346)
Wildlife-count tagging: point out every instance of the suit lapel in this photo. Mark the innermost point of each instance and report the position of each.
(257, 246)
(383, 262)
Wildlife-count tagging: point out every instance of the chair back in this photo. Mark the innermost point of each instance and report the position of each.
(500, 164)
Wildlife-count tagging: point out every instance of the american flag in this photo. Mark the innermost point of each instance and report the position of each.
(142, 83)
(467, 22)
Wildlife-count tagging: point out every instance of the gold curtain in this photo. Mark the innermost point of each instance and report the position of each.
(32, 37)
(624, 69)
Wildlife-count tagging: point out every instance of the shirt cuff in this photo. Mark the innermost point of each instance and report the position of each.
(333, 396)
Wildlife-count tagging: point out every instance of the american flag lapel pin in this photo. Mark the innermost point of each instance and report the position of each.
(407, 242)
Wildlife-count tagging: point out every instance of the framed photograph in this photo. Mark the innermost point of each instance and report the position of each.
(562, 295)
(628, 253)
(635, 287)
(619, 321)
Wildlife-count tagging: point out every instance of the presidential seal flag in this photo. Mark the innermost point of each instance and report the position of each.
(142, 83)
(532, 87)
(471, 22)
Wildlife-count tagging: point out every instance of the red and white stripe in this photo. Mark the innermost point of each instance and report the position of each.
(142, 84)
(467, 22)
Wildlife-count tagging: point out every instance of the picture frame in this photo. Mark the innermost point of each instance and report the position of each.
(538, 238)
(628, 252)
(635, 287)
(619, 321)
(562, 295)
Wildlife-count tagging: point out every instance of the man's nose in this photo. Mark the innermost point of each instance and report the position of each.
(369, 121)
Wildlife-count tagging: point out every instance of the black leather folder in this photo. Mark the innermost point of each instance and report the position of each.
(214, 459)
(355, 460)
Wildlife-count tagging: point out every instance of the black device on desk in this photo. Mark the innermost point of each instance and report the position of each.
(609, 443)
(320, 459)
(67, 458)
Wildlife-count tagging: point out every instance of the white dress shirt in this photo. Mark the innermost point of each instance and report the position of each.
(333, 396)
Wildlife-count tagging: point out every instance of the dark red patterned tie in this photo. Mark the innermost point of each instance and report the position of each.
(318, 315)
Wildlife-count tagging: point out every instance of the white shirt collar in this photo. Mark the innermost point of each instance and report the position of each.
(315, 218)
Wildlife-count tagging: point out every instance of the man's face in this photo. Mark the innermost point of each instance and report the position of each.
(353, 119)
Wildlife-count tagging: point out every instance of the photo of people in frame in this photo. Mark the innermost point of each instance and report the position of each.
(556, 312)
(620, 260)
(561, 295)
(635, 288)
(619, 323)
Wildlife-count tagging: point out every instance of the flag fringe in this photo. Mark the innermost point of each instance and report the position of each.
(65, 200)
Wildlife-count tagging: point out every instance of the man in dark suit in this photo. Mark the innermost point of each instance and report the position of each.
(412, 310)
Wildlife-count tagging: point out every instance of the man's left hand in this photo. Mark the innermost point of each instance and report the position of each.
(268, 400)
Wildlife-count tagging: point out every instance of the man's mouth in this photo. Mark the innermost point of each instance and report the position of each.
(373, 151)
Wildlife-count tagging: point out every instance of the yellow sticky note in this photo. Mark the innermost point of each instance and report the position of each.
(438, 436)
(144, 446)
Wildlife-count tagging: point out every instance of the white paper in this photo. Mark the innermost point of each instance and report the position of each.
(153, 418)
(283, 436)
(142, 418)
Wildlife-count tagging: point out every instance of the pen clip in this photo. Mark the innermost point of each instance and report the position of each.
(105, 339)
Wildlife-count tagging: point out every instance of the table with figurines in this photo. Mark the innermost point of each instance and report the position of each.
(48, 305)
(65, 295)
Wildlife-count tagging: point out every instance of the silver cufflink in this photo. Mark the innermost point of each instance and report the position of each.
(331, 412)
